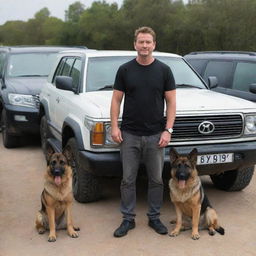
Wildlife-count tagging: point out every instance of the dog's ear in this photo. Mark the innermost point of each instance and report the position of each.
(67, 154)
(173, 155)
(193, 156)
(49, 153)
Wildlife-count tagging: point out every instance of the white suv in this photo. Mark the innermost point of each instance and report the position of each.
(75, 115)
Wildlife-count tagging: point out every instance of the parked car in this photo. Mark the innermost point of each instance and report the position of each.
(235, 71)
(75, 116)
(23, 70)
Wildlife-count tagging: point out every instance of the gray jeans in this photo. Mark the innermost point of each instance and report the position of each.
(133, 150)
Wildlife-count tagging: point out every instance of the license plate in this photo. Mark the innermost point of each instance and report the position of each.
(215, 158)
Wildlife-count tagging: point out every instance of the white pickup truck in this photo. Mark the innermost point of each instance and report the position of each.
(75, 115)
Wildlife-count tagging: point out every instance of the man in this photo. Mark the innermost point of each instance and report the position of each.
(146, 83)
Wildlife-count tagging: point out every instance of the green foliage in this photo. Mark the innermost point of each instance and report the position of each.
(74, 12)
(180, 28)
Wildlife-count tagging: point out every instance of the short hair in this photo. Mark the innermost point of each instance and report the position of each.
(144, 30)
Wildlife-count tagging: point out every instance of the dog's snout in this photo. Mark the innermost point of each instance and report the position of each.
(182, 176)
(182, 172)
(57, 172)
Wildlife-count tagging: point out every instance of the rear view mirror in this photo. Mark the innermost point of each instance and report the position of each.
(64, 83)
(212, 82)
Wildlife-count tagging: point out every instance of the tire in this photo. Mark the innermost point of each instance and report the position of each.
(9, 141)
(44, 134)
(85, 185)
(234, 180)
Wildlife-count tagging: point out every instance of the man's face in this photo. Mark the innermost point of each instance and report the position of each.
(144, 44)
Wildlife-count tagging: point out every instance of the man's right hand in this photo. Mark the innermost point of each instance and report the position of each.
(116, 134)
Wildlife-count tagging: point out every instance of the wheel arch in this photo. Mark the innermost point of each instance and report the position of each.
(44, 110)
(72, 129)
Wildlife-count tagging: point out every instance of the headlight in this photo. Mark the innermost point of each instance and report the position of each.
(22, 100)
(250, 125)
(100, 134)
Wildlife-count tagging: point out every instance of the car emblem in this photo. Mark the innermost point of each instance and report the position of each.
(206, 127)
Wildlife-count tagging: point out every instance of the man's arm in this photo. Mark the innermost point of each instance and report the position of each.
(114, 114)
(170, 97)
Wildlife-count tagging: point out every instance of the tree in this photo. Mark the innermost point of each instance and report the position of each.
(74, 12)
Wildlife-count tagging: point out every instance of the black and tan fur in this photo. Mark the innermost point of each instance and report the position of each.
(56, 198)
(188, 196)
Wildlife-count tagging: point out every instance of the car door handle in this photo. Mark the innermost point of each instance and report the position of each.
(58, 100)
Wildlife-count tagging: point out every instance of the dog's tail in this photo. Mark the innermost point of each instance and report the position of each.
(212, 222)
(220, 230)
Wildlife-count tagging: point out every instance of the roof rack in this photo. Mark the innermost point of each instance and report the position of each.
(224, 52)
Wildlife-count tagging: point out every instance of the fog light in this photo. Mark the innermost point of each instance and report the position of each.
(20, 118)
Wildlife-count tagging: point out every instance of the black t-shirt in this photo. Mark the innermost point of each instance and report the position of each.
(144, 88)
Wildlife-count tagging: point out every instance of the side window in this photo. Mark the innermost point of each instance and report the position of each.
(221, 69)
(245, 74)
(75, 72)
(64, 67)
(67, 67)
(59, 68)
(198, 65)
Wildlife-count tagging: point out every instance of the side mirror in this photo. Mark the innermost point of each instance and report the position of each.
(212, 82)
(64, 83)
(252, 88)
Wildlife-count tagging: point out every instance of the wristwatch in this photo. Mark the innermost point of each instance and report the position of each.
(170, 130)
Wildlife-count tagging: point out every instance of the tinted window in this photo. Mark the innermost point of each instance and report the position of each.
(245, 74)
(220, 69)
(75, 72)
(60, 67)
(30, 64)
(67, 67)
(198, 65)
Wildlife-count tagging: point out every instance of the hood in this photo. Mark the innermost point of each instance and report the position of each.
(188, 101)
(25, 85)
(199, 100)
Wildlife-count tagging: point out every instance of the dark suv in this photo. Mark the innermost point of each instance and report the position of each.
(235, 71)
(23, 71)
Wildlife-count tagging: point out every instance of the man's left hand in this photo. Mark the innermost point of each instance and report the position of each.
(164, 139)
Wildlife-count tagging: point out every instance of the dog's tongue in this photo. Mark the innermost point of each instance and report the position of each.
(182, 184)
(57, 180)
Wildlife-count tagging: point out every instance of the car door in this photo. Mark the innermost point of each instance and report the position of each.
(244, 76)
(72, 68)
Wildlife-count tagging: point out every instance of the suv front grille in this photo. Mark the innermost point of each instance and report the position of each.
(225, 126)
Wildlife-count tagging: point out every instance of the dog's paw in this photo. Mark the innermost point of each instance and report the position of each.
(174, 233)
(41, 231)
(51, 238)
(73, 234)
(212, 232)
(195, 236)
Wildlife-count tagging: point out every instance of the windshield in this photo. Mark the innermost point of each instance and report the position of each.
(101, 72)
(30, 64)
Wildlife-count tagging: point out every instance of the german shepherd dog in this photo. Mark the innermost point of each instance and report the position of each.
(188, 196)
(56, 198)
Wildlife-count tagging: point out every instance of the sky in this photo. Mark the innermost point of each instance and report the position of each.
(26, 9)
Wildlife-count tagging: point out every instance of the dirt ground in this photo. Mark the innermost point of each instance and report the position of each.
(21, 183)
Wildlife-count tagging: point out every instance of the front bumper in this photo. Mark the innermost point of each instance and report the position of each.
(109, 164)
(22, 120)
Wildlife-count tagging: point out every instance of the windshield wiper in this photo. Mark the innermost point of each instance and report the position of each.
(189, 86)
(108, 86)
